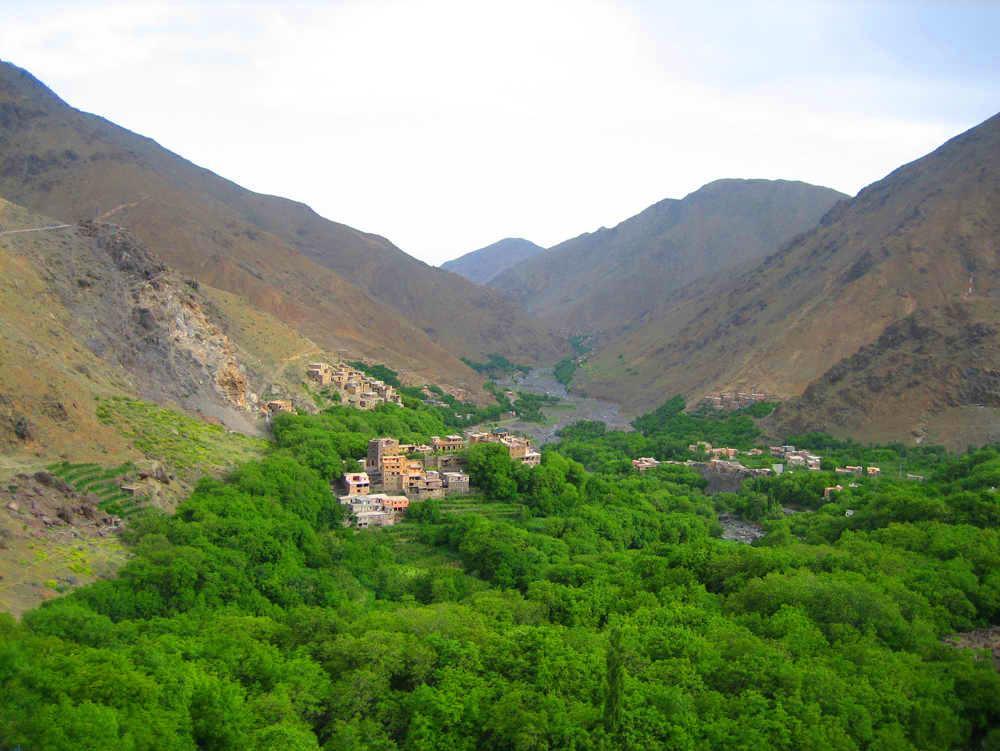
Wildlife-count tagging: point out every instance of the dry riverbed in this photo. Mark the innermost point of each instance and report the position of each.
(571, 407)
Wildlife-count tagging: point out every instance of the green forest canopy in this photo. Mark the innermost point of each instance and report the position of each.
(606, 613)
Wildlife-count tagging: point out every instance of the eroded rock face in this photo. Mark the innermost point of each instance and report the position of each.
(134, 310)
(173, 312)
(232, 382)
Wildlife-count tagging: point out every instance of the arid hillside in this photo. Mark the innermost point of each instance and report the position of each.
(87, 312)
(924, 238)
(610, 280)
(90, 313)
(933, 376)
(342, 288)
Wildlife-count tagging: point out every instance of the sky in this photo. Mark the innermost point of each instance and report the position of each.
(446, 125)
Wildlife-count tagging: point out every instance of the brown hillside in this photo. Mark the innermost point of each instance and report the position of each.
(342, 288)
(610, 280)
(909, 242)
(934, 376)
(88, 313)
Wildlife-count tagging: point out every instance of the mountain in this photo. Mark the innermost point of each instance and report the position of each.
(919, 242)
(340, 287)
(480, 266)
(609, 280)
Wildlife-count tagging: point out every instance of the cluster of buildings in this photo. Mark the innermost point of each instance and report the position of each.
(417, 471)
(724, 459)
(356, 389)
(389, 466)
(380, 495)
(794, 457)
(731, 400)
(858, 471)
(720, 452)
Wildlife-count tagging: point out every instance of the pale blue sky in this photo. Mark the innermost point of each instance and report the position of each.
(448, 124)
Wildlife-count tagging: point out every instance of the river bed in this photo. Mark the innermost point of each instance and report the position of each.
(571, 407)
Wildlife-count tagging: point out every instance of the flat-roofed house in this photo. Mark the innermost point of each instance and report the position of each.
(448, 444)
(396, 502)
(377, 449)
(644, 462)
(357, 483)
(320, 372)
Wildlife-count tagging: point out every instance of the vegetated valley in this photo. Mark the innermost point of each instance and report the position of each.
(258, 490)
(575, 604)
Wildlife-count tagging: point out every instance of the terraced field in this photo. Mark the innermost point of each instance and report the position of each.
(104, 482)
(478, 505)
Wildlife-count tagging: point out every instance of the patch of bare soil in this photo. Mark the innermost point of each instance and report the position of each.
(52, 539)
(983, 638)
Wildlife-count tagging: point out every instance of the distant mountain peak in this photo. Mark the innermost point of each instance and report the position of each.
(484, 264)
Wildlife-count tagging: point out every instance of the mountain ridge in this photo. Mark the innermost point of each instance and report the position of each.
(625, 269)
(344, 288)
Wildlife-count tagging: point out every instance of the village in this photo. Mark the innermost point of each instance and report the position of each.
(732, 400)
(725, 471)
(392, 474)
(353, 387)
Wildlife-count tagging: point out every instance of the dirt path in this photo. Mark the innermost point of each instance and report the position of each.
(310, 351)
(34, 229)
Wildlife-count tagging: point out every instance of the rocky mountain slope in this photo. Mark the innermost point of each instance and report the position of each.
(923, 239)
(480, 266)
(88, 312)
(610, 280)
(932, 376)
(342, 288)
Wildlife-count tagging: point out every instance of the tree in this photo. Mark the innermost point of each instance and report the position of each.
(614, 695)
(491, 470)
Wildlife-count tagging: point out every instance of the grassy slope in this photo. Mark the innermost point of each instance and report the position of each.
(36, 566)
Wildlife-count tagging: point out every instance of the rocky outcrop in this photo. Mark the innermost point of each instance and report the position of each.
(175, 318)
